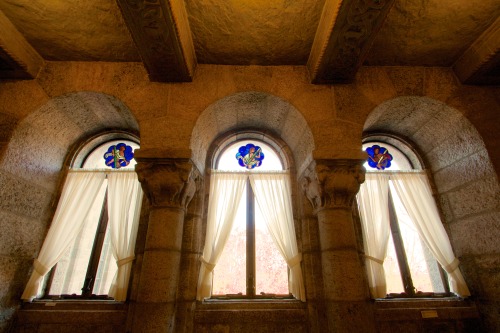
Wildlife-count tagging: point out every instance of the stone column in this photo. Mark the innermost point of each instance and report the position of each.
(169, 184)
(331, 187)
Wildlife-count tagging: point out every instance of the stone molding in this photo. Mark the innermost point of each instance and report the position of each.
(345, 34)
(333, 184)
(168, 182)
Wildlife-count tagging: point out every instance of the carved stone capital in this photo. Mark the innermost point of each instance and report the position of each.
(168, 182)
(333, 183)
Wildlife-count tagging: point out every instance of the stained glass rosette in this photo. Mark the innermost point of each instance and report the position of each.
(250, 156)
(118, 156)
(378, 157)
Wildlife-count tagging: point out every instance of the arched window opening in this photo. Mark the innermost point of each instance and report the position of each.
(250, 248)
(89, 247)
(407, 249)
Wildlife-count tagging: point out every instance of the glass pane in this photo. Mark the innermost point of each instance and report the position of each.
(271, 268)
(230, 272)
(107, 268)
(398, 160)
(97, 159)
(229, 162)
(423, 269)
(70, 272)
(392, 272)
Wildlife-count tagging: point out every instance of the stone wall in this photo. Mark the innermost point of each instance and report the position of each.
(41, 120)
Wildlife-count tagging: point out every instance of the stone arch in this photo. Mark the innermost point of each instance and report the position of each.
(465, 180)
(30, 172)
(253, 110)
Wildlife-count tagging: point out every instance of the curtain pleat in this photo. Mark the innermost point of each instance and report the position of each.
(273, 195)
(78, 195)
(124, 206)
(416, 196)
(373, 208)
(226, 190)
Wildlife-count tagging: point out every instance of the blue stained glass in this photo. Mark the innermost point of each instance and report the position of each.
(118, 156)
(379, 157)
(250, 156)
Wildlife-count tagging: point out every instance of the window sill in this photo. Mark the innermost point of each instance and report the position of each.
(73, 304)
(236, 311)
(73, 312)
(402, 309)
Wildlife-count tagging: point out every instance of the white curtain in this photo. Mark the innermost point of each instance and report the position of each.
(374, 212)
(226, 190)
(78, 195)
(273, 195)
(124, 206)
(416, 196)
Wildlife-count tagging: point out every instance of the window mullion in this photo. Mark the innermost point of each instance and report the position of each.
(96, 249)
(250, 269)
(400, 250)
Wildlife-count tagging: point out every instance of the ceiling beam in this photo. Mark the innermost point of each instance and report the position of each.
(161, 32)
(480, 63)
(18, 59)
(345, 34)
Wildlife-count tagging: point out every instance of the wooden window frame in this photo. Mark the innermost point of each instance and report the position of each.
(404, 269)
(251, 258)
(93, 265)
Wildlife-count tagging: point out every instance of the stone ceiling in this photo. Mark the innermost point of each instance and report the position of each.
(332, 37)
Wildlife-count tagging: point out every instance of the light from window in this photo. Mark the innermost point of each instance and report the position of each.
(270, 274)
(88, 265)
(408, 258)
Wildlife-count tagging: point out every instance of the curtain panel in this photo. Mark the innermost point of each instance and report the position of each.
(374, 212)
(124, 207)
(415, 193)
(78, 195)
(226, 190)
(272, 194)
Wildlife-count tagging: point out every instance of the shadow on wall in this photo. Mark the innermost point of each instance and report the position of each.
(466, 185)
(30, 172)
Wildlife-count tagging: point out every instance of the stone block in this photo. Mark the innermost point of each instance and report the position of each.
(159, 276)
(477, 234)
(466, 170)
(312, 272)
(336, 229)
(23, 198)
(374, 84)
(458, 145)
(350, 317)
(476, 197)
(275, 112)
(343, 276)
(407, 81)
(192, 238)
(351, 104)
(165, 229)
(154, 318)
(14, 274)
(80, 328)
(21, 236)
(310, 234)
(189, 272)
(440, 83)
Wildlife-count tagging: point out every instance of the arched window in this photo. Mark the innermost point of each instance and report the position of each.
(89, 247)
(407, 249)
(250, 247)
